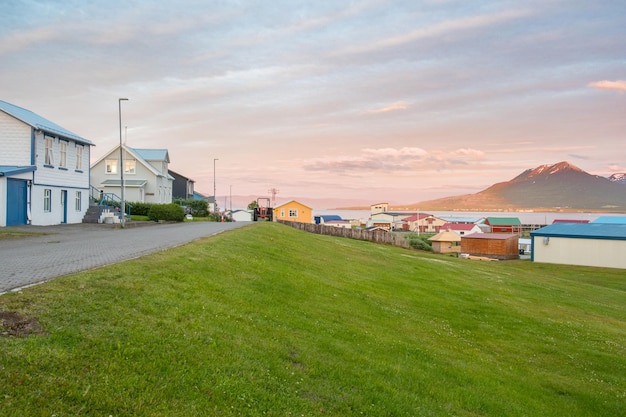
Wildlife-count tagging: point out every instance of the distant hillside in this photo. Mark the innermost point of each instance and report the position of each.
(559, 186)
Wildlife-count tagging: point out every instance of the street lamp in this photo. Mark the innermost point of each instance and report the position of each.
(214, 193)
(122, 205)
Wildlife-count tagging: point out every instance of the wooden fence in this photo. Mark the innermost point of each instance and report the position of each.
(377, 236)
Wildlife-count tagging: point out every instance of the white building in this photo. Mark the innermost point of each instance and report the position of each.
(146, 175)
(44, 170)
(588, 244)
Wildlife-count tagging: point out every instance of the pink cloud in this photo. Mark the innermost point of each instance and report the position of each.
(398, 105)
(618, 85)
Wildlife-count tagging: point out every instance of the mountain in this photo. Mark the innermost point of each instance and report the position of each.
(548, 187)
(618, 177)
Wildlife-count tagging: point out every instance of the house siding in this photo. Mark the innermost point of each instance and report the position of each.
(14, 141)
(577, 251)
(18, 148)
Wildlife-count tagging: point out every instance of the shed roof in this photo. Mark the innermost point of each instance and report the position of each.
(329, 217)
(41, 123)
(583, 231)
(7, 170)
(445, 236)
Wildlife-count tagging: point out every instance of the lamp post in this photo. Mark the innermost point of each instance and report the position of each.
(214, 192)
(122, 205)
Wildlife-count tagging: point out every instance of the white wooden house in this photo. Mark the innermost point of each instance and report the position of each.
(146, 175)
(44, 170)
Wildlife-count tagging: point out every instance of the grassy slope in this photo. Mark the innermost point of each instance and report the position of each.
(268, 320)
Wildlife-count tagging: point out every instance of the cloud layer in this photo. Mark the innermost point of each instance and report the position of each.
(373, 100)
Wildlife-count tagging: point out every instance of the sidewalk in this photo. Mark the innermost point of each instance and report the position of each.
(67, 249)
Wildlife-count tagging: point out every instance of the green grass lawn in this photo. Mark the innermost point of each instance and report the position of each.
(268, 320)
(6, 234)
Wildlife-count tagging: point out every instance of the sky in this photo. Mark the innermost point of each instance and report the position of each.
(364, 101)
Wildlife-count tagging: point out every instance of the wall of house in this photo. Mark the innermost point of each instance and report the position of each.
(55, 216)
(304, 214)
(446, 247)
(495, 248)
(584, 252)
(15, 141)
(54, 174)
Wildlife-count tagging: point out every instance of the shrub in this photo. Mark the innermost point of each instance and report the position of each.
(420, 242)
(139, 208)
(197, 208)
(167, 212)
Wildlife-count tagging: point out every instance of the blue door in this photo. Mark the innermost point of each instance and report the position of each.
(16, 202)
(64, 205)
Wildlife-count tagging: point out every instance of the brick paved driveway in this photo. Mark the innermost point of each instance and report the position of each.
(67, 249)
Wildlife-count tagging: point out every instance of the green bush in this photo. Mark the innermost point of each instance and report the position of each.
(197, 208)
(167, 212)
(139, 208)
(420, 242)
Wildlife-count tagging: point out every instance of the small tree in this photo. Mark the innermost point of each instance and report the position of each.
(254, 204)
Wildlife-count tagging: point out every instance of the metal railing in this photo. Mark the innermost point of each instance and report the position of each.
(108, 200)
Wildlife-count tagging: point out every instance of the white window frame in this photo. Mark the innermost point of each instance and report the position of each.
(62, 153)
(129, 166)
(110, 166)
(79, 157)
(48, 152)
(47, 200)
(293, 212)
(79, 200)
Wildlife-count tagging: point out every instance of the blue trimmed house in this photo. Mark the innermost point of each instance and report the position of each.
(44, 170)
(146, 174)
(587, 244)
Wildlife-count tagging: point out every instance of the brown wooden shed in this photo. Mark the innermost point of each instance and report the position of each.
(491, 245)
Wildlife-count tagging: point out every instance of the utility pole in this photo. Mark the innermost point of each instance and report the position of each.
(273, 192)
(122, 203)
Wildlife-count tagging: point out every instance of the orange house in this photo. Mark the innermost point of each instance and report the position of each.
(294, 211)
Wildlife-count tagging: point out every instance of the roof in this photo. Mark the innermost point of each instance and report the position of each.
(415, 217)
(127, 183)
(329, 217)
(292, 201)
(610, 220)
(152, 154)
(458, 226)
(583, 230)
(502, 221)
(569, 221)
(445, 236)
(492, 236)
(36, 121)
(176, 174)
(8, 170)
(454, 219)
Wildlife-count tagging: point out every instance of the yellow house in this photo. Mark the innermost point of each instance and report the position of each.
(294, 211)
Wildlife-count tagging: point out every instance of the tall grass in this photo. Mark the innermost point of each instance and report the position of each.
(267, 320)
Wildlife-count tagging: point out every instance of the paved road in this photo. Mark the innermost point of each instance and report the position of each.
(67, 249)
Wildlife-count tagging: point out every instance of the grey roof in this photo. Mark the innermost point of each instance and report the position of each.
(583, 230)
(7, 170)
(40, 123)
(127, 183)
(152, 154)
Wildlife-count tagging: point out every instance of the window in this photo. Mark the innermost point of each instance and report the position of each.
(48, 155)
(78, 200)
(79, 157)
(282, 213)
(129, 166)
(47, 200)
(293, 213)
(111, 166)
(62, 153)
